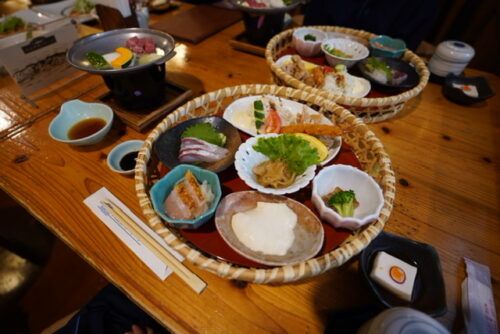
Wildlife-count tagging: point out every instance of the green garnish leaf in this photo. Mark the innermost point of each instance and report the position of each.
(310, 37)
(374, 64)
(297, 153)
(206, 132)
(82, 6)
(11, 23)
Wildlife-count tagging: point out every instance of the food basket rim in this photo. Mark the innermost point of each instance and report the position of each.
(408, 55)
(312, 267)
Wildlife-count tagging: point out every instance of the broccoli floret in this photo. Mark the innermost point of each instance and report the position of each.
(343, 202)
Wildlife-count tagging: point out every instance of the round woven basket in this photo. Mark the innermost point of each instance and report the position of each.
(363, 142)
(370, 110)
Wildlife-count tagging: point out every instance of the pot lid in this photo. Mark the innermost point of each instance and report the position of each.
(455, 51)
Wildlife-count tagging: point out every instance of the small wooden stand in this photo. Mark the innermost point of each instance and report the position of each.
(140, 120)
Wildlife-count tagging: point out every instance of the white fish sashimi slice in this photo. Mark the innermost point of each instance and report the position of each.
(195, 150)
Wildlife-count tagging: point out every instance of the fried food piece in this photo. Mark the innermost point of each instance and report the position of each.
(314, 129)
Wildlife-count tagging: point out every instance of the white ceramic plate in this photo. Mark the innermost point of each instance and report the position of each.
(240, 112)
(246, 158)
(63, 8)
(308, 232)
(80, 18)
(364, 85)
(35, 17)
(240, 115)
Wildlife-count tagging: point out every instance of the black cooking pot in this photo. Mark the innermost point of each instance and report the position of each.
(136, 87)
(261, 24)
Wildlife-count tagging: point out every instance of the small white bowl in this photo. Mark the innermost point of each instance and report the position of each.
(75, 111)
(307, 48)
(119, 152)
(350, 47)
(368, 194)
(246, 158)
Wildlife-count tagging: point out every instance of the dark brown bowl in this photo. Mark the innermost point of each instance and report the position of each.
(396, 64)
(168, 144)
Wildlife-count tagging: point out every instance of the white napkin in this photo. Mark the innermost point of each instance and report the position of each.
(155, 264)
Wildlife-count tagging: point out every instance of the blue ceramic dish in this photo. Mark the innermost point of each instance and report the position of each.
(120, 152)
(164, 186)
(397, 47)
(75, 111)
(428, 291)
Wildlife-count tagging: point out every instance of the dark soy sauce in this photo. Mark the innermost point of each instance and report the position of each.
(128, 161)
(86, 128)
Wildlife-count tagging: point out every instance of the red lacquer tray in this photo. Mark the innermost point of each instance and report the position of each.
(208, 240)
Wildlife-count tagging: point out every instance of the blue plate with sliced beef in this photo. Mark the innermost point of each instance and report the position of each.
(208, 142)
(388, 74)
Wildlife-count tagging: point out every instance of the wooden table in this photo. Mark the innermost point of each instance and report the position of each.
(445, 157)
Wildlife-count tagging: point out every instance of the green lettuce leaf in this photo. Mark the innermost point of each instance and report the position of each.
(206, 132)
(297, 153)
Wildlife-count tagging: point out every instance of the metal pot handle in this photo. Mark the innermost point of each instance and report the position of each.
(169, 56)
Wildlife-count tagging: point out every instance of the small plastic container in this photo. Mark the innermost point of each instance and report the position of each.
(451, 57)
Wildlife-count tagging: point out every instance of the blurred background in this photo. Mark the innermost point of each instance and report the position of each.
(475, 22)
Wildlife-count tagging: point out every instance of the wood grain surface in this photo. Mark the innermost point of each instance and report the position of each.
(445, 156)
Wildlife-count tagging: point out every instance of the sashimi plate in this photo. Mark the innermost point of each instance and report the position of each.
(168, 144)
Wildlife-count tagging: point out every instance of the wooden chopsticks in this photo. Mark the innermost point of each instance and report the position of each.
(196, 283)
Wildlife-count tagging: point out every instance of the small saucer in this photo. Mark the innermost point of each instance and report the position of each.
(452, 91)
(121, 160)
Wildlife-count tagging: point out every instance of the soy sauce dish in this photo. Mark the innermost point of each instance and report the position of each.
(122, 157)
(80, 123)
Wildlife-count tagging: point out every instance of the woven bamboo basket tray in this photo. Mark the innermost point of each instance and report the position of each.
(363, 142)
(370, 110)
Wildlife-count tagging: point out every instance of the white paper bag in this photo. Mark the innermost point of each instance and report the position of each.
(40, 61)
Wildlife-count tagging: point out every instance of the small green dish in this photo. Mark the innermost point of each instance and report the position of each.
(164, 186)
(385, 46)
